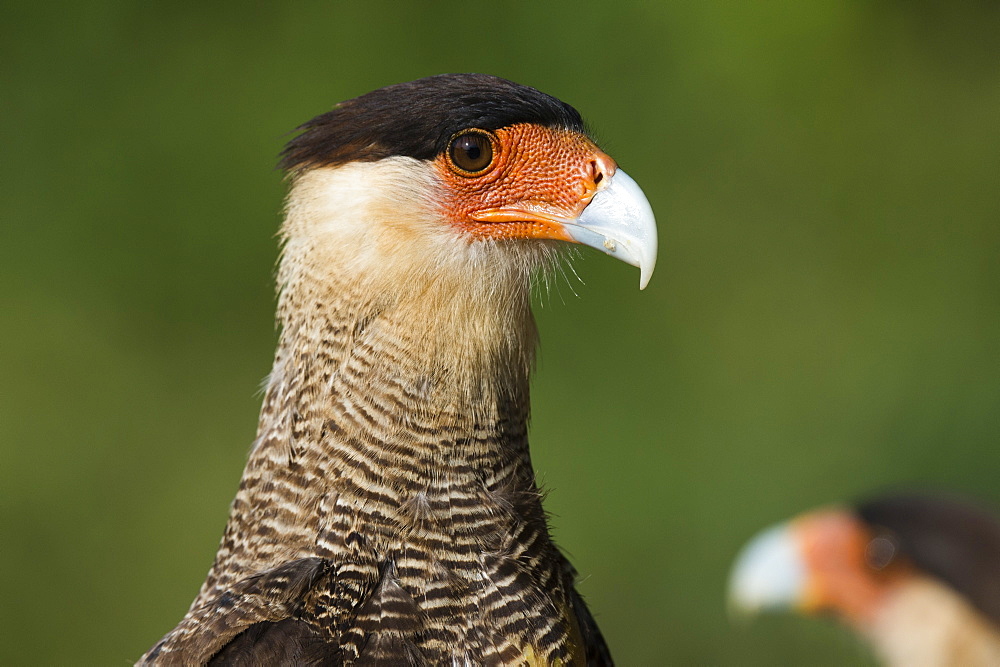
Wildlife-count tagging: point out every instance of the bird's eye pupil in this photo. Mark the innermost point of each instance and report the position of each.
(472, 152)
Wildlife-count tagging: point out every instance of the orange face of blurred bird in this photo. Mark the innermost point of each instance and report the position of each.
(849, 566)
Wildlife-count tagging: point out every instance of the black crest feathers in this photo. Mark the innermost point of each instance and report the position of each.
(416, 119)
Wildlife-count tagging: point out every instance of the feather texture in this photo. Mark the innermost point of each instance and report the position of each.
(389, 513)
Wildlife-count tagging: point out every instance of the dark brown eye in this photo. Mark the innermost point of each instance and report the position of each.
(472, 152)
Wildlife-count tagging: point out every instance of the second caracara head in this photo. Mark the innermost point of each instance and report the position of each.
(917, 574)
(458, 172)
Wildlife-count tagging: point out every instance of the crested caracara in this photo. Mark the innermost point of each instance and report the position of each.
(918, 576)
(388, 512)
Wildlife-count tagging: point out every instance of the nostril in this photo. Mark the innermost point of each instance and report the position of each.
(598, 174)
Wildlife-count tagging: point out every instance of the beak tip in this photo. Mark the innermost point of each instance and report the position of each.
(644, 275)
(647, 260)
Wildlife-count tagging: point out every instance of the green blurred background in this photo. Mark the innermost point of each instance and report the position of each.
(824, 320)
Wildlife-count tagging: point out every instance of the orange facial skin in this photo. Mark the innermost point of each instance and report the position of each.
(850, 569)
(538, 178)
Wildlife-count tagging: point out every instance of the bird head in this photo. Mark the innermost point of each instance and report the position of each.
(826, 561)
(846, 561)
(465, 178)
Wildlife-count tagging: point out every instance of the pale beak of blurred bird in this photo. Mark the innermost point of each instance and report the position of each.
(769, 573)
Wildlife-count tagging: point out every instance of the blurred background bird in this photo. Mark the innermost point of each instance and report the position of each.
(916, 575)
(823, 321)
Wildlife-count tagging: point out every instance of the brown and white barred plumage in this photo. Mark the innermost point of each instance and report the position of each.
(389, 512)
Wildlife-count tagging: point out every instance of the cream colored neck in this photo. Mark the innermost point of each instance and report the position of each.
(368, 270)
(925, 624)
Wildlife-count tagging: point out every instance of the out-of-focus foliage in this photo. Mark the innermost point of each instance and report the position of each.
(824, 320)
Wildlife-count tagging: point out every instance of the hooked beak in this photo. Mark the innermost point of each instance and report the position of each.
(619, 221)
